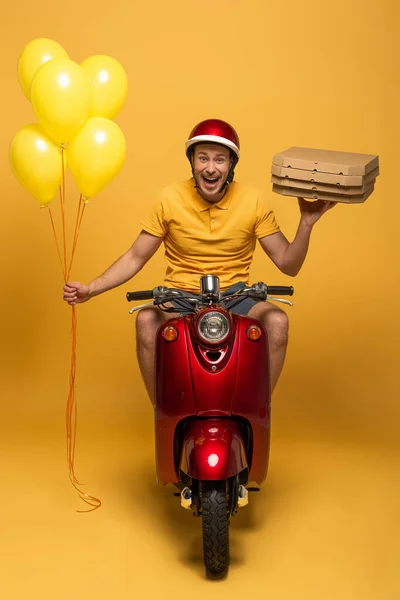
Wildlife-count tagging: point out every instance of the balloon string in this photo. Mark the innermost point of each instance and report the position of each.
(71, 422)
(62, 201)
(72, 407)
(63, 169)
(78, 222)
(71, 404)
(56, 240)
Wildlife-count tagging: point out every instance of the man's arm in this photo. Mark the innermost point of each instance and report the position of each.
(126, 267)
(289, 257)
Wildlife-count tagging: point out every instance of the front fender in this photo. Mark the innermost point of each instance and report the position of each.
(212, 450)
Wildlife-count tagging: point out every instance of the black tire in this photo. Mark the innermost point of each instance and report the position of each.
(215, 518)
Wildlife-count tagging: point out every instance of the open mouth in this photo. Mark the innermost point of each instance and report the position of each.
(210, 182)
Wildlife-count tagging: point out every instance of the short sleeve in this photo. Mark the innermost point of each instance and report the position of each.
(265, 222)
(156, 223)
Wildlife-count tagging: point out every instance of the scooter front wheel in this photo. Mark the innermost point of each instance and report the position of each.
(215, 518)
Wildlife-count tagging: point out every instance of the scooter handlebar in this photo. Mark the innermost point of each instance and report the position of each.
(143, 295)
(280, 290)
(272, 290)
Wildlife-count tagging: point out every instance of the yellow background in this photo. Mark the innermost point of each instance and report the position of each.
(325, 525)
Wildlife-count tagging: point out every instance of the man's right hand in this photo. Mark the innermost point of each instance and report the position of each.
(76, 293)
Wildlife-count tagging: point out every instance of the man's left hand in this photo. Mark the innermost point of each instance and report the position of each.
(312, 211)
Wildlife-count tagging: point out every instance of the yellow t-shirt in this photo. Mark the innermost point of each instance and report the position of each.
(202, 238)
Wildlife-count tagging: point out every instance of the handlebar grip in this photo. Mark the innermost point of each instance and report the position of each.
(280, 290)
(143, 295)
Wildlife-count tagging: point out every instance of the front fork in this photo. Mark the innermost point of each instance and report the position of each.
(238, 496)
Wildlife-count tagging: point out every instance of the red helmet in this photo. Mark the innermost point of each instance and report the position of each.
(216, 132)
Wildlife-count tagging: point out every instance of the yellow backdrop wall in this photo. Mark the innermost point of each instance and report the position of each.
(309, 74)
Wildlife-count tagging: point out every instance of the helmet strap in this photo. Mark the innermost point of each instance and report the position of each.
(230, 177)
(196, 187)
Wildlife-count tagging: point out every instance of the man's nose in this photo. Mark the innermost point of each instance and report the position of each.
(211, 167)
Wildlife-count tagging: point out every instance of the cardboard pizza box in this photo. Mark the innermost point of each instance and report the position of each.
(312, 195)
(331, 178)
(323, 187)
(327, 161)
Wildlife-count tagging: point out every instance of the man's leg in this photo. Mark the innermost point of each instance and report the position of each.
(276, 323)
(147, 324)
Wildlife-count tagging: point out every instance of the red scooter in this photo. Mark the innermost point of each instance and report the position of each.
(212, 404)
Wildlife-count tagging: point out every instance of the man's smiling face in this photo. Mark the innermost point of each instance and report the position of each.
(211, 164)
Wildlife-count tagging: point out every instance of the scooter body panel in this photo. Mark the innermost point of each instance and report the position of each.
(212, 450)
(232, 387)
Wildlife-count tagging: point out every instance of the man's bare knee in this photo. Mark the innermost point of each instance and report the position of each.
(276, 323)
(147, 323)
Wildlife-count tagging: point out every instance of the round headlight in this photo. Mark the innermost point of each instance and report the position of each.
(213, 327)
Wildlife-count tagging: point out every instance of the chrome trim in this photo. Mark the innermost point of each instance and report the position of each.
(243, 496)
(206, 315)
(186, 498)
(209, 287)
(272, 299)
(132, 310)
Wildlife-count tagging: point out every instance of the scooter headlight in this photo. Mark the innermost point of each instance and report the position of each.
(213, 327)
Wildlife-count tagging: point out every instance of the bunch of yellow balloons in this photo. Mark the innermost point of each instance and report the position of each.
(74, 105)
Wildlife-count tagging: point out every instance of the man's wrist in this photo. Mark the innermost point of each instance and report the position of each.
(305, 224)
(92, 289)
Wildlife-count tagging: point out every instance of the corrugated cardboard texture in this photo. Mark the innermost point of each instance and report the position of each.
(327, 161)
(310, 195)
(331, 178)
(323, 187)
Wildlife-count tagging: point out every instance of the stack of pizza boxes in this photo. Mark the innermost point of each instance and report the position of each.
(324, 174)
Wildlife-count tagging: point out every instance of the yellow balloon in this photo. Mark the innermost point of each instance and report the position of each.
(36, 162)
(60, 98)
(33, 56)
(96, 155)
(108, 85)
